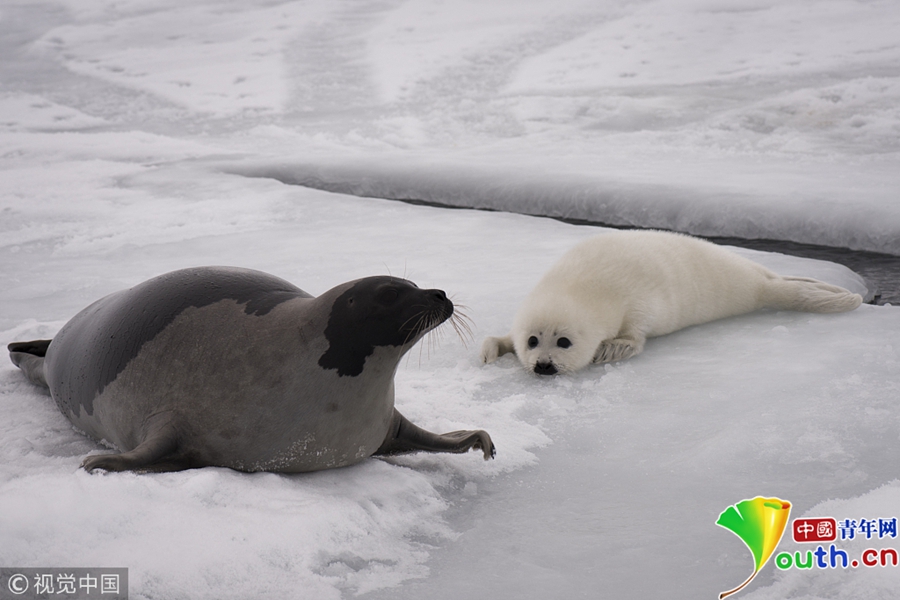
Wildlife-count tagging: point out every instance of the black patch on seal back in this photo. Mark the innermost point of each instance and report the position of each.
(98, 343)
(378, 311)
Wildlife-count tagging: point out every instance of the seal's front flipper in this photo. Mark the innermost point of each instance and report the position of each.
(151, 455)
(494, 347)
(29, 357)
(404, 437)
(620, 348)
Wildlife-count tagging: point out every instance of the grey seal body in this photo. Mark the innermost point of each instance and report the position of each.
(219, 366)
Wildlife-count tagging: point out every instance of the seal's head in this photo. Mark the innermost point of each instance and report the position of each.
(378, 312)
(551, 340)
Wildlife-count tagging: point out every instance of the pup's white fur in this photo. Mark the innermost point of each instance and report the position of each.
(608, 294)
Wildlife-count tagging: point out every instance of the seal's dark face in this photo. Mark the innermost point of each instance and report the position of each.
(379, 311)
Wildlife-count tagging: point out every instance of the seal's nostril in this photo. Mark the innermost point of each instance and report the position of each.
(439, 295)
(545, 369)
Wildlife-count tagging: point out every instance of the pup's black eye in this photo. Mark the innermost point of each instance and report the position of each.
(532, 342)
(563, 342)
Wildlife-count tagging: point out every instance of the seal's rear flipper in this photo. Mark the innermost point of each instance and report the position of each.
(29, 357)
(404, 437)
(810, 295)
(152, 454)
(35, 347)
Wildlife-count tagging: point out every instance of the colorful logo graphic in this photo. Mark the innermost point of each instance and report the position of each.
(760, 523)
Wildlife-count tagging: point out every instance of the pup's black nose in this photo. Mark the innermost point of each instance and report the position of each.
(544, 369)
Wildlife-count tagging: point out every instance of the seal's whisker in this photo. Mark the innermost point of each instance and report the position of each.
(459, 331)
(419, 327)
(437, 334)
(415, 329)
(418, 315)
(462, 324)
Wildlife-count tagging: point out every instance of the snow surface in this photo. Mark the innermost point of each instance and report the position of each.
(128, 129)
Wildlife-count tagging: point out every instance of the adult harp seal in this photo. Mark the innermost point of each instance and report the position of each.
(220, 366)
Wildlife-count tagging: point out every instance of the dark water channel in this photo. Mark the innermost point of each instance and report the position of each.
(881, 271)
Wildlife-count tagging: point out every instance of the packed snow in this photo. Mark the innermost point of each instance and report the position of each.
(139, 137)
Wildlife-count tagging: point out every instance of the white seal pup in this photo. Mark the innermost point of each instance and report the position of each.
(228, 367)
(608, 294)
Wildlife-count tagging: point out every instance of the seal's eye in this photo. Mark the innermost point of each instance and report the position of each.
(563, 342)
(532, 342)
(388, 295)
